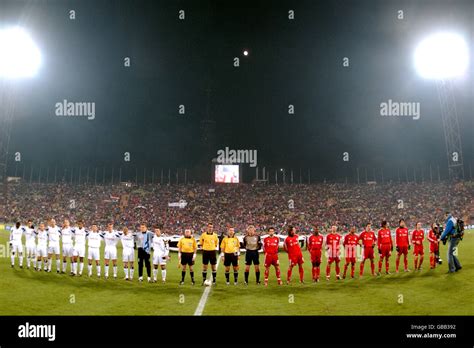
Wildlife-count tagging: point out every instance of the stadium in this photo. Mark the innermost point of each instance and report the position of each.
(202, 158)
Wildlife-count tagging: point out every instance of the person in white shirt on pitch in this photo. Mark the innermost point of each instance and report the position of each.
(111, 237)
(30, 243)
(160, 254)
(128, 252)
(54, 235)
(79, 249)
(94, 240)
(66, 237)
(42, 247)
(16, 243)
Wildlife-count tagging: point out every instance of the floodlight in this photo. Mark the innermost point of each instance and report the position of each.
(19, 55)
(442, 56)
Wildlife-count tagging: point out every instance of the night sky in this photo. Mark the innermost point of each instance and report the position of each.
(173, 62)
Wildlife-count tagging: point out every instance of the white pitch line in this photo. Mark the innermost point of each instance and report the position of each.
(205, 294)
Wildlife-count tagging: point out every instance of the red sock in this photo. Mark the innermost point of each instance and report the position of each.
(338, 269)
(288, 275)
(328, 270)
(372, 266)
(278, 273)
(301, 272)
(387, 265)
(421, 262)
(361, 272)
(416, 264)
(266, 274)
(352, 269)
(405, 261)
(380, 264)
(345, 269)
(318, 271)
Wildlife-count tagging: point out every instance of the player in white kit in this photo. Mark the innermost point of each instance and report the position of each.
(42, 247)
(79, 249)
(160, 254)
(54, 235)
(128, 252)
(30, 244)
(66, 237)
(16, 244)
(94, 240)
(111, 238)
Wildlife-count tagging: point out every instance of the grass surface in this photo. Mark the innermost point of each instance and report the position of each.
(428, 292)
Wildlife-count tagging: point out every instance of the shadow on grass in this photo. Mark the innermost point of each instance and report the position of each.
(93, 283)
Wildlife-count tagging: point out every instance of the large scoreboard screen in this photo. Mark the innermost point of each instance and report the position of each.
(227, 173)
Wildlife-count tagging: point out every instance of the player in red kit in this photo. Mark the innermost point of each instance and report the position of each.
(333, 241)
(270, 249)
(314, 245)
(385, 246)
(402, 243)
(417, 238)
(433, 236)
(350, 250)
(368, 240)
(292, 247)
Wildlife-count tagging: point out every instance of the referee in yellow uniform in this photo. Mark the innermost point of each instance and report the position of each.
(187, 248)
(209, 243)
(230, 252)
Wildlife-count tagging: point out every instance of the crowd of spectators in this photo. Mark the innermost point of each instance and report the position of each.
(240, 205)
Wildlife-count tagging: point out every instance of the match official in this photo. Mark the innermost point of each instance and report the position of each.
(230, 248)
(209, 243)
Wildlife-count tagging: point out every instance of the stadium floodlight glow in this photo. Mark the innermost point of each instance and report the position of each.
(19, 55)
(442, 55)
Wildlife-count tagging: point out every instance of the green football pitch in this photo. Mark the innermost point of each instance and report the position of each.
(427, 292)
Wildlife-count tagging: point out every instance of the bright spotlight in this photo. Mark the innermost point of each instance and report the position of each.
(442, 56)
(19, 56)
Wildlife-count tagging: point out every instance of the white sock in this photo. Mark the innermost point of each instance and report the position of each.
(28, 261)
(74, 267)
(45, 264)
(21, 260)
(131, 273)
(50, 264)
(38, 263)
(98, 270)
(106, 271)
(64, 266)
(163, 274)
(34, 262)
(58, 265)
(89, 268)
(115, 271)
(125, 269)
(81, 267)
(155, 272)
(13, 259)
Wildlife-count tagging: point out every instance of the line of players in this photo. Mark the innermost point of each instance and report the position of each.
(315, 244)
(43, 243)
(74, 243)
